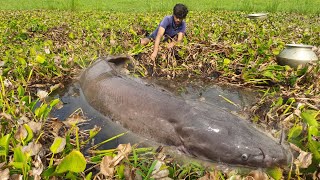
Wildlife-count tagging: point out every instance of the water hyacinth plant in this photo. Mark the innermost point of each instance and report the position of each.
(42, 51)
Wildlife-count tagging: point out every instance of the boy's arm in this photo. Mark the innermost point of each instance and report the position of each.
(161, 31)
(180, 37)
(173, 43)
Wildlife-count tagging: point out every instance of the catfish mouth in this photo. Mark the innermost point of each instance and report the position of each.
(257, 159)
(270, 161)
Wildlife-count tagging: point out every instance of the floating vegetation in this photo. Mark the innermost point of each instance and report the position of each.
(41, 51)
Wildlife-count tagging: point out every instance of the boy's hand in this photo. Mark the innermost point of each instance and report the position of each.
(170, 45)
(153, 56)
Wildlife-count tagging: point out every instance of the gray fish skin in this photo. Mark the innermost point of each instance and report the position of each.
(209, 134)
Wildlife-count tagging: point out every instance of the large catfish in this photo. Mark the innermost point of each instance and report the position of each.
(206, 133)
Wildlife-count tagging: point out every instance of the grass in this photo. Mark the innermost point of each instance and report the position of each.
(300, 6)
(40, 49)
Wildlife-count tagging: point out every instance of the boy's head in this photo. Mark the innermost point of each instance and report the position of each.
(180, 11)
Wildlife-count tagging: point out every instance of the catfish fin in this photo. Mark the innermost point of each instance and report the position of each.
(118, 60)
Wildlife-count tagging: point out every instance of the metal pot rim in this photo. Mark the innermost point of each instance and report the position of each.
(299, 45)
(256, 15)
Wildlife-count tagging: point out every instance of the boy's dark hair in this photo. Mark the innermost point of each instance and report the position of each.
(180, 11)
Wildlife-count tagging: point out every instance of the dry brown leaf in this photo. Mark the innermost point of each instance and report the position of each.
(6, 116)
(56, 86)
(24, 119)
(112, 42)
(35, 126)
(32, 148)
(316, 175)
(57, 59)
(106, 166)
(304, 159)
(2, 164)
(16, 177)
(235, 177)
(138, 177)
(209, 176)
(56, 125)
(74, 120)
(4, 174)
(42, 94)
(258, 175)
(21, 133)
(38, 168)
(36, 177)
(128, 173)
(7, 83)
(123, 151)
(47, 50)
(294, 147)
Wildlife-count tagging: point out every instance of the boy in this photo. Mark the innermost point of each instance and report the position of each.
(170, 26)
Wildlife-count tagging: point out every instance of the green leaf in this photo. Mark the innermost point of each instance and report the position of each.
(17, 165)
(226, 62)
(89, 176)
(73, 162)
(96, 159)
(18, 155)
(40, 59)
(279, 102)
(312, 144)
(275, 173)
(314, 148)
(4, 145)
(22, 61)
(120, 171)
(71, 176)
(20, 91)
(54, 102)
(295, 132)
(41, 110)
(30, 133)
(71, 35)
(309, 117)
(58, 145)
(93, 132)
(313, 131)
(268, 74)
(151, 169)
(49, 172)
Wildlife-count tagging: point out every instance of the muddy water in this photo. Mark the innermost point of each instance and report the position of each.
(229, 98)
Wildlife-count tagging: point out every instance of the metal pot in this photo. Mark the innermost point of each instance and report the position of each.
(258, 16)
(296, 54)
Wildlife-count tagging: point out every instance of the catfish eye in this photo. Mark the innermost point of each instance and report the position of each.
(244, 157)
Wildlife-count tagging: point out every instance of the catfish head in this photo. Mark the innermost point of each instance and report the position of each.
(232, 141)
(101, 68)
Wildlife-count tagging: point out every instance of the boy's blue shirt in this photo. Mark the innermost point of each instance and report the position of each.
(170, 28)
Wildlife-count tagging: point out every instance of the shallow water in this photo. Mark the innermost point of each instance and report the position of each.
(229, 98)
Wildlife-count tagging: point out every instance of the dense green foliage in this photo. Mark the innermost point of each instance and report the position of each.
(41, 50)
(298, 6)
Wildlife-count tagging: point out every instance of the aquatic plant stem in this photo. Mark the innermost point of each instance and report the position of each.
(108, 140)
(77, 138)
